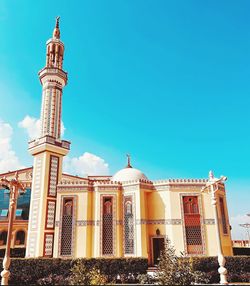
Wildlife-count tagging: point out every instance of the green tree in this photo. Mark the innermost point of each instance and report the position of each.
(174, 270)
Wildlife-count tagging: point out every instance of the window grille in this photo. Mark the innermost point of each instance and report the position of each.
(128, 235)
(107, 226)
(67, 227)
(223, 216)
(192, 225)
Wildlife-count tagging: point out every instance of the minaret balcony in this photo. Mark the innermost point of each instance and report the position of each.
(50, 73)
(49, 143)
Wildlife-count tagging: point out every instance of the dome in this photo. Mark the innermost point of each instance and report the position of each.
(128, 174)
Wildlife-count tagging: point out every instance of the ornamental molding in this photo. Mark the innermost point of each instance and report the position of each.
(87, 222)
(62, 190)
(52, 84)
(209, 221)
(188, 187)
(138, 222)
(136, 182)
(162, 188)
(180, 181)
(106, 183)
(69, 183)
(131, 188)
(159, 221)
(107, 189)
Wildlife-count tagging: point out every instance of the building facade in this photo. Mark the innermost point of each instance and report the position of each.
(124, 215)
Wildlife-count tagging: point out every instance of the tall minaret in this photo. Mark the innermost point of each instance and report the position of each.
(48, 151)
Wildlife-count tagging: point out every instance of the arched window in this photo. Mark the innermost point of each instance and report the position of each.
(68, 207)
(192, 221)
(128, 208)
(190, 205)
(128, 232)
(3, 237)
(20, 237)
(67, 227)
(107, 226)
(107, 207)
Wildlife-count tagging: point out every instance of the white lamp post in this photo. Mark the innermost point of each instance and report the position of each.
(15, 187)
(212, 188)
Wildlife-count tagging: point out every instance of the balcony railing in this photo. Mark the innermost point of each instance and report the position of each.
(49, 140)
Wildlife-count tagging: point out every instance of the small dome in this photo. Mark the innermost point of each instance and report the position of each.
(128, 174)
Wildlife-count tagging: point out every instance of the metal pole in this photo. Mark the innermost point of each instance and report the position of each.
(6, 261)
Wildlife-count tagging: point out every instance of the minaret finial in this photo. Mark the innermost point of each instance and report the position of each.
(57, 22)
(56, 32)
(128, 165)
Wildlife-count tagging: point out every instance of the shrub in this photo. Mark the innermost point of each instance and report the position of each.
(81, 275)
(174, 270)
(53, 279)
(238, 268)
(56, 271)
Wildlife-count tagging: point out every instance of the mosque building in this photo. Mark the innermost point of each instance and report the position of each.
(124, 215)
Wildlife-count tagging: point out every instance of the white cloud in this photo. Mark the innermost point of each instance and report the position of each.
(86, 164)
(62, 129)
(239, 232)
(32, 126)
(8, 159)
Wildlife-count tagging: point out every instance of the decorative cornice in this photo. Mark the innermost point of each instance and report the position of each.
(138, 222)
(18, 170)
(136, 182)
(71, 183)
(180, 181)
(159, 221)
(87, 222)
(53, 71)
(106, 183)
(71, 189)
(49, 140)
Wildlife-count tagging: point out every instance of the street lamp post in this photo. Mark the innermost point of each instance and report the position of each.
(212, 188)
(15, 187)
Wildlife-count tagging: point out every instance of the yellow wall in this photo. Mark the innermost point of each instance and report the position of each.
(156, 207)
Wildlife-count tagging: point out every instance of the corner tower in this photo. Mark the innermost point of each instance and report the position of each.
(48, 151)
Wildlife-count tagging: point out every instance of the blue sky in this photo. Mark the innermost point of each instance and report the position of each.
(166, 81)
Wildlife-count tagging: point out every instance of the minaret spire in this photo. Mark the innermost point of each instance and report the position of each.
(57, 21)
(56, 32)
